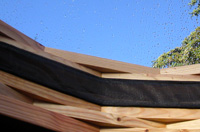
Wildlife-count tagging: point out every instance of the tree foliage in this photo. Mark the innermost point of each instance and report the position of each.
(188, 53)
(196, 11)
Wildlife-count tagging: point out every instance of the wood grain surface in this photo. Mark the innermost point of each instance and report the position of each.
(13, 33)
(148, 130)
(100, 118)
(101, 64)
(7, 91)
(164, 115)
(164, 77)
(41, 117)
(182, 70)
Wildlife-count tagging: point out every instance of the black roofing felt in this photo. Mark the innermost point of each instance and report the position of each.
(106, 92)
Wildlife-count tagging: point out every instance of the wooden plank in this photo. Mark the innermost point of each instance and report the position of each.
(163, 115)
(44, 93)
(11, 32)
(194, 124)
(7, 91)
(4, 35)
(164, 77)
(99, 118)
(147, 130)
(49, 56)
(182, 70)
(101, 64)
(41, 117)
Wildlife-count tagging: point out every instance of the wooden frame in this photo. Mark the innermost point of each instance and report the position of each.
(47, 55)
(100, 118)
(182, 70)
(43, 93)
(39, 105)
(38, 116)
(101, 64)
(8, 31)
(147, 130)
(163, 115)
(162, 77)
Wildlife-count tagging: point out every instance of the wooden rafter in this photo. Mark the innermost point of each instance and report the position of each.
(7, 30)
(48, 56)
(41, 117)
(182, 70)
(194, 124)
(99, 118)
(147, 130)
(58, 110)
(139, 76)
(44, 93)
(101, 64)
(167, 77)
(164, 115)
(7, 91)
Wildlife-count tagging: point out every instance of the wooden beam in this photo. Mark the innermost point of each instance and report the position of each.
(194, 124)
(11, 32)
(89, 61)
(49, 56)
(101, 64)
(44, 93)
(182, 70)
(7, 91)
(147, 130)
(99, 118)
(163, 115)
(164, 77)
(41, 117)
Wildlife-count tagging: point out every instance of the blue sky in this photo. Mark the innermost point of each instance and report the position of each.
(133, 31)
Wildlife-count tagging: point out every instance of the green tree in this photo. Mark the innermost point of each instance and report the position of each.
(188, 53)
(196, 11)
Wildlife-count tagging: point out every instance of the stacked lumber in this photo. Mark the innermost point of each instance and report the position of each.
(39, 105)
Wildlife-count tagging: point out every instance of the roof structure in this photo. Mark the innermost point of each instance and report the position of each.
(45, 89)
